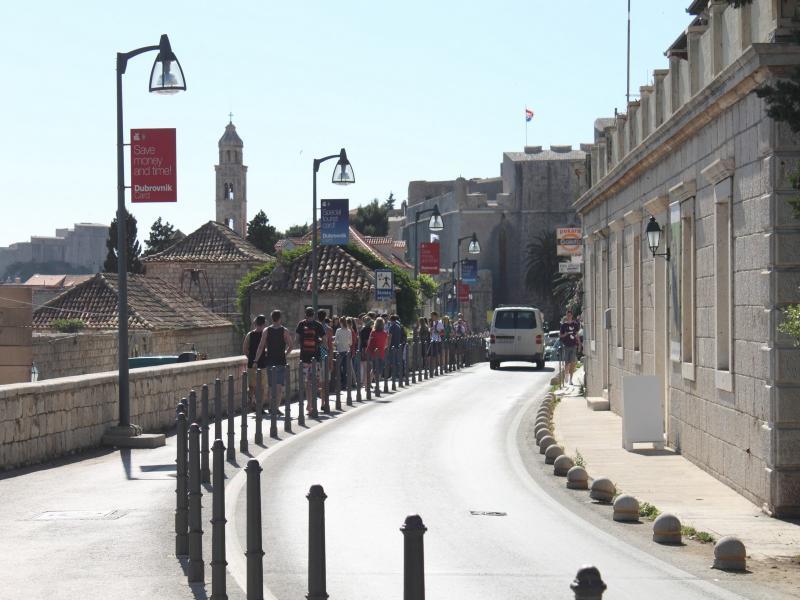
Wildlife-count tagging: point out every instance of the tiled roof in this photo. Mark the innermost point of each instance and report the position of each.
(372, 239)
(213, 242)
(290, 242)
(152, 304)
(336, 271)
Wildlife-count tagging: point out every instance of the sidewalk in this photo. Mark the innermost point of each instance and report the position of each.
(667, 480)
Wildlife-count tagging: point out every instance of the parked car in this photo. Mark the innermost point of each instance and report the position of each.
(551, 352)
(516, 334)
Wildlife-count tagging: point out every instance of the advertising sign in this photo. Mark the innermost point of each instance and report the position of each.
(153, 166)
(334, 228)
(469, 270)
(569, 267)
(429, 258)
(569, 241)
(463, 292)
(384, 284)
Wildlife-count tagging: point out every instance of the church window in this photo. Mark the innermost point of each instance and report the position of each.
(228, 155)
(229, 222)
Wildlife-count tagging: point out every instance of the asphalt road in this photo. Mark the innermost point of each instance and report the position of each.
(445, 450)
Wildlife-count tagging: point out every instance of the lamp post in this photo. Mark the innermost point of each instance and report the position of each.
(654, 232)
(166, 77)
(435, 224)
(342, 175)
(473, 248)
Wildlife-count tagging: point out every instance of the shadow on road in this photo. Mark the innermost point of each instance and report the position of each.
(531, 369)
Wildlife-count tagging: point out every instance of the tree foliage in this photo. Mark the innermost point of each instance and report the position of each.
(134, 250)
(261, 234)
(161, 237)
(427, 286)
(297, 231)
(791, 323)
(568, 291)
(373, 219)
(541, 263)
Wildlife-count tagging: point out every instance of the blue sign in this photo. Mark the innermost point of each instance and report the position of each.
(334, 222)
(469, 270)
(384, 284)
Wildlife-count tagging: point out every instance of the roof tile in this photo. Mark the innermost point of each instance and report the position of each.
(213, 242)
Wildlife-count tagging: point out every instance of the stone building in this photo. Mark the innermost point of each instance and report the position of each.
(698, 153)
(208, 265)
(533, 196)
(231, 182)
(162, 320)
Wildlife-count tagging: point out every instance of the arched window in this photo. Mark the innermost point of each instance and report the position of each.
(229, 222)
(228, 155)
(228, 191)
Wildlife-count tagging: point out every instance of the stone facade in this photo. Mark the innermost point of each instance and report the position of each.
(82, 246)
(698, 153)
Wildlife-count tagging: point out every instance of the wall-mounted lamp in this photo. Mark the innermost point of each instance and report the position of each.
(654, 231)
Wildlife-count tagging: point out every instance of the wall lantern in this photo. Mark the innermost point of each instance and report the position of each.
(654, 232)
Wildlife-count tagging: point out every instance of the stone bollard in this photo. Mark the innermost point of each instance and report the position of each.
(603, 490)
(626, 509)
(543, 433)
(231, 415)
(273, 403)
(217, 408)
(181, 490)
(254, 553)
(243, 437)
(551, 453)
(667, 529)
(545, 423)
(588, 584)
(196, 567)
(205, 451)
(191, 416)
(259, 437)
(577, 479)
(413, 558)
(287, 400)
(316, 544)
(545, 443)
(218, 562)
(730, 554)
(561, 465)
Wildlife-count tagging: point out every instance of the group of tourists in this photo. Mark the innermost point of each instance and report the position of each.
(357, 350)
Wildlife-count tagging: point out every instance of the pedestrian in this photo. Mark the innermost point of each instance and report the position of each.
(376, 349)
(424, 342)
(395, 345)
(276, 345)
(448, 336)
(310, 336)
(437, 331)
(364, 334)
(342, 342)
(325, 356)
(568, 333)
(354, 348)
(251, 348)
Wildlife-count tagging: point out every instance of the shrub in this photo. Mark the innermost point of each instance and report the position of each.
(68, 325)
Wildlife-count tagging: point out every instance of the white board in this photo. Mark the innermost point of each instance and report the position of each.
(642, 412)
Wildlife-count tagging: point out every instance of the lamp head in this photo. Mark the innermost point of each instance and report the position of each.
(436, 224)
(166, 76)
(474, 246)
(343, 172)
(653, 232)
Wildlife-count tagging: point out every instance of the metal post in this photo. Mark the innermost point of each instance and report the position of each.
(254, 553)
(357, 369)
(217, 408)
(181, 490)
(385, 373)
(368, 373)
(196, 566)
(231, 427)
(316, 544)
(243, 437)
(377, 375)
(259, 439)
(287, 398)
(273, 403)
(205, 468)
(192, 416)
(218, 562)
(349, 379)
(413, 558)
(326, 385)
(337, 367)
(301, 386)
(413, 362)
(314, 284)
(393, 367)
(314, 389)
(588, 584)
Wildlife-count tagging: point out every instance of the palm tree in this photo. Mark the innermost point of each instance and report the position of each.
(541, 263)
(567, 290)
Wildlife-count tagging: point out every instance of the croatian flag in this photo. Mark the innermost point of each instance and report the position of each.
(528, 114)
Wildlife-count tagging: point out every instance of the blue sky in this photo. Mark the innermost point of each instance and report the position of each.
(412, 89)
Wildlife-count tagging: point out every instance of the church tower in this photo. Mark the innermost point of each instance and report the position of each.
(231, 198)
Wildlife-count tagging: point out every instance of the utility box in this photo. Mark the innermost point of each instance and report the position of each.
(642, 411)
(16, 334)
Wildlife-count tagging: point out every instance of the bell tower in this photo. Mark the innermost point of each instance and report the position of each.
(231, 197)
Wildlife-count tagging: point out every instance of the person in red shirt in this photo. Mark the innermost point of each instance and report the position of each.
(376, 350)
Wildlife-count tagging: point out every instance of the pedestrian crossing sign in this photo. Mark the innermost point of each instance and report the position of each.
(384, 284)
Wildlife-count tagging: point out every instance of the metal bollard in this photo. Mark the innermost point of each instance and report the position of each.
(259, 438)
(413, 362)
(243, 437)
(326, 384)
(205, 467)
(377, 376)
(588, 584)
(191, 416)
(413, 558)
(231, 427)
(337, 366)
(196, 566)
(218, 562)
(181, 490)
(357, 373)
(404, 365)
(301, 386)
(385, 373)
(316, 544)
(368, 375)
(349, 378)
(217, 408)
(273, 403)
(254, 553)
(393, 366)
(287, 399)
(314, 389)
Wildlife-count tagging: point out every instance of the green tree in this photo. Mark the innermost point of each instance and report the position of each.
(541, 263)
(161, 237)
(261, 234)
(134, 250)
(297, 231)
(389, 202)
(372, 219)
(567, 290)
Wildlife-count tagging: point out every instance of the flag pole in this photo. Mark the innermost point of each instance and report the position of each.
(525, 113)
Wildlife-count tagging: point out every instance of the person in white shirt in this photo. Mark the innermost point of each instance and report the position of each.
(437, 334)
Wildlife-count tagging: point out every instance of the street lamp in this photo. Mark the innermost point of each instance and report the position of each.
(166, 77)
(654, 232)
(342, 175)
(473, 248)
(435, 224)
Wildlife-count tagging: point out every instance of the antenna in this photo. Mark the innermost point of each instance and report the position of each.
(628, 80)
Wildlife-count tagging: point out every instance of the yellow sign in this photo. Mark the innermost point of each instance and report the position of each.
(569, 241)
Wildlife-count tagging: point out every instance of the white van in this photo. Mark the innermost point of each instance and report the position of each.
(516, 334)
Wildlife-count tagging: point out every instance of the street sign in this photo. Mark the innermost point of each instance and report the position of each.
(334, 223)
(569, 241)
(429, 258)
(463, 292)
(153, 168)
(469, 270)
(384, 284)
(569, 267)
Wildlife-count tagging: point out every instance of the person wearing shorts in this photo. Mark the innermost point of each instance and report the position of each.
(253, 350)
(569, 342)
(310, 336)
(276, 343)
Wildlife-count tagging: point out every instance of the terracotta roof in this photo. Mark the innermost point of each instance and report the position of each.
(152, 304)
(292, 242)
(336, 271)
(213, 242)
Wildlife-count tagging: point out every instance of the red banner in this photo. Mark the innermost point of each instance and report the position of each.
(463, 292)
(153, 169)
(429, 258)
